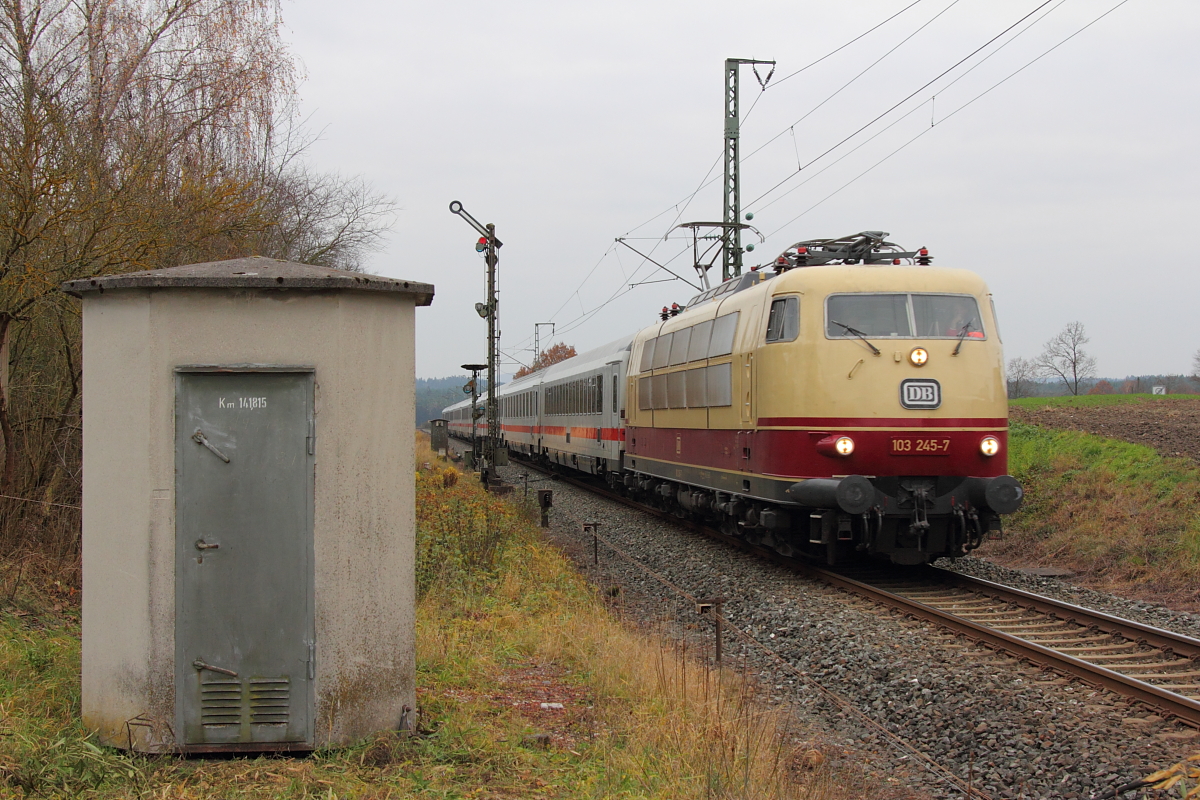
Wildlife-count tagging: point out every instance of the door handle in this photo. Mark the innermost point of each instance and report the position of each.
(203, 545)
(198, 664)
(199, 438)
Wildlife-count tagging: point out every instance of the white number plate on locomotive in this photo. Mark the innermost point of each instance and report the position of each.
(920, 446)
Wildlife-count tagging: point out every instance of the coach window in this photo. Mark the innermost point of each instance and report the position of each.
(695, 389)
(783, 325)
(724, 327)
(676, 390)
(659, 391)
(662, 351)
(647, 356)
(679, 346)
(645, 398)
(698, 346)
(719, 384)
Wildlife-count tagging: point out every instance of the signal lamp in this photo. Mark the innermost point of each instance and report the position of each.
(844, 446)
(895, 261)
(989, 446)
(919, 356)
(801, 250)
(481, 245)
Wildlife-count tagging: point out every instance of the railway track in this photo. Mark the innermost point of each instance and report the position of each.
(1155, 667)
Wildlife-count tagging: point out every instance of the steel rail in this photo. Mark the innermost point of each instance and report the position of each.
(1167, 703)
(1169, 641)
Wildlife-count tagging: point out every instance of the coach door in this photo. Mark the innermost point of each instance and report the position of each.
(244, 648)
(614, 422)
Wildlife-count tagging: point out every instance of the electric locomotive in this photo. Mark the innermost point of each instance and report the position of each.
(840, 405)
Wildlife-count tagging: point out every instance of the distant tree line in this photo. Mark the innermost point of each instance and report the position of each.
(137, 134)
(1065, 367)
(434, 394)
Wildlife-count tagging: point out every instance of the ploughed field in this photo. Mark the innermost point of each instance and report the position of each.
(1170, 425)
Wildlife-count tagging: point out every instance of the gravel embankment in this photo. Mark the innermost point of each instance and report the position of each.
(1017, 733)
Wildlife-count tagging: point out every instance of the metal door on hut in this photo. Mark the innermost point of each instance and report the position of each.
(244, 643)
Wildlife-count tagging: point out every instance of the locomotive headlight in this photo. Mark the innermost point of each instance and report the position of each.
(989, 446)
(844, 446)
(918, 356)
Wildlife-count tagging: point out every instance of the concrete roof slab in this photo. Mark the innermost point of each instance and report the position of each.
(254, 272)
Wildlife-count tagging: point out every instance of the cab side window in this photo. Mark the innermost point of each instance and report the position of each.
(783, 324)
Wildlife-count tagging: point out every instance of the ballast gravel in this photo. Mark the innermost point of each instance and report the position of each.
(1007, 728)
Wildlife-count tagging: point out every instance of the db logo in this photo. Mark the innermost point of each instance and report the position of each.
(920, 394)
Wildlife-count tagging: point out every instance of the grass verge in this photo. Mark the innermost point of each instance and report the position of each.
(1118, 513)
(504, 625)
(1089, 400)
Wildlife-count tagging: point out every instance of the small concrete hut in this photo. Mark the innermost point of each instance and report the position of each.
(248, 524)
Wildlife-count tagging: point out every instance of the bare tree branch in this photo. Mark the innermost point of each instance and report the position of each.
(1063, 357)
(1021, 375)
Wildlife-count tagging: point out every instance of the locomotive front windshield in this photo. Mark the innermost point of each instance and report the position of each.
(903, 316)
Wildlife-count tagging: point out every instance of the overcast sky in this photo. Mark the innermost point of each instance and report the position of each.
(1071, 188)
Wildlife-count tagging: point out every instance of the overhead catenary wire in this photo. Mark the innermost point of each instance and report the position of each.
(624, 288)
(906, 115)
(952, 113)
(847, 44)
(896, 105)
(705, 182)
(848, 83)
(681, 207)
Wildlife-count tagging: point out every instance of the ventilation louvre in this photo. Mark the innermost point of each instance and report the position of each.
(229, 702)
(269, 700)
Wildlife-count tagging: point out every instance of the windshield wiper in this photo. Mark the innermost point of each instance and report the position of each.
(961, 335)
(856, 332)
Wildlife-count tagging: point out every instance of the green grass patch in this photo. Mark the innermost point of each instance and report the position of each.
(1088, 400)
(503, 622)
(1110, 509)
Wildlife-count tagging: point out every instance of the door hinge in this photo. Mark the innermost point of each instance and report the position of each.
(312, 660)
